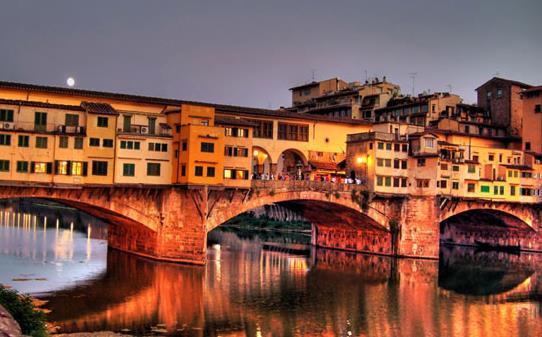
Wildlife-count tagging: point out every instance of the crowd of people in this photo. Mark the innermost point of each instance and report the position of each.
(307, 177)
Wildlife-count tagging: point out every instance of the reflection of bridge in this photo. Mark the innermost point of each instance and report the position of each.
(171, 223)
(333, 287)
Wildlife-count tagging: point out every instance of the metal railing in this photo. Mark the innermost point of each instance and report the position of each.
(306, 185)
(145, 130)
(44, 128)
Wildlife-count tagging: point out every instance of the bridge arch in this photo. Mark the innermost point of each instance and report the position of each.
(132, 228)
(490, 224)
(291, 162)
(338, 221)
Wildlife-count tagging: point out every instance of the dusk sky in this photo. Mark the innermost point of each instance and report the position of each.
(248, 52)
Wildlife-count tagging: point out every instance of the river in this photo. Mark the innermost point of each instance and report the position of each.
(264, 285)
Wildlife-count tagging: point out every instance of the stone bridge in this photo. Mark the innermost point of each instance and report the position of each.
(172, 222)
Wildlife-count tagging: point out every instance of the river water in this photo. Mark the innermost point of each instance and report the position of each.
(264, 285)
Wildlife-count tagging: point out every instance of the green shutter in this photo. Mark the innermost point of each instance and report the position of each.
(85, 168)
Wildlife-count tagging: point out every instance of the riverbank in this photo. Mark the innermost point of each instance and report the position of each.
(8, 326)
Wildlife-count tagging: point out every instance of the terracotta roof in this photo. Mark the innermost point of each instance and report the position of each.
(328, 166)
(99, 108)
(306, 85)
(223, 120)
(519, 84)
(41, 105)
(533, 89)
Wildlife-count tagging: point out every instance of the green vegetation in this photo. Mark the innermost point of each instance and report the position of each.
(31, 320)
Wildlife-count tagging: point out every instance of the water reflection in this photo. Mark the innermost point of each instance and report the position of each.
(253, 287)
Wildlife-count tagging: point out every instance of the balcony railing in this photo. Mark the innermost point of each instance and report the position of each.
(305, 185)
(145, 130)
(54, 128)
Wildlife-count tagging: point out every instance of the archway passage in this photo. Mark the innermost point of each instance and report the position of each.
(488, 229)
(339, 227)
(292, 164)
(261, 163)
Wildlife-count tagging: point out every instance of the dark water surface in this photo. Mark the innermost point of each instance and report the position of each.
(251, 287)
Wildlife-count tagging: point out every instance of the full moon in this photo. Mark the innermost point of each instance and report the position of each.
(70, 81)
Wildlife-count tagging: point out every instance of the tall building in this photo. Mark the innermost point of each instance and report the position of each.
(502, 99)
(531, 134)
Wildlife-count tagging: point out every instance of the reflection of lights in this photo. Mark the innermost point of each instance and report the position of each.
(216, 246)
(360, 160)
(255, 153)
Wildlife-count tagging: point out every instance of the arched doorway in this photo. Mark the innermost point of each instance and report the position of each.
(261, 162)
(292, 164)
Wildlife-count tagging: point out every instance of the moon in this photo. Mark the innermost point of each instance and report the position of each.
(70, 81)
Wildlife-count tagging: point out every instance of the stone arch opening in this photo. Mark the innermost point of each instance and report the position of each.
(333, 225)
(488, 228)
(292, 164)
(261, 162)
(123, 233)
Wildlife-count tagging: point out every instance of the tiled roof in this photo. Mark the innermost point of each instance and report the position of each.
(40, 104)
(99, 108)
(519, 84)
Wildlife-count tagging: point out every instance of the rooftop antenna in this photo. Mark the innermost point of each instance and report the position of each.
(313, 75)
(413, 78)
(366, 76)
(449, 86)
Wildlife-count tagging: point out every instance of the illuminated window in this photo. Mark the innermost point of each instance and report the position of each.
(77, 168)
(40, 167)
(227, 173)
(62, 167)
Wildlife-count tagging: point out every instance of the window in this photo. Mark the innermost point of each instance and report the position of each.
(471, 169)
(207, 147)
(443, 184)
(6, 115)
(22, 166)
(387, 162)
(422, 183)
(63, 142)
(102, 122)
(4, 165)
(94, 142)
(183, 170)
(499, 92)
(78, 168)
(379, 162)
(379, 181)
(62, 167)
(228, 174)
(205, 122)
(158, 147)
(128, 170)
(236, 132)
(184, 145)
(404, 164)
(484, 189)
(396, 147)
(41, 142)
(527, 146)
(396, 163)
(471, 187)
(512, 190)
(153, 169)
(262, 129)
(444, 167)
(5, 139)
(538, 108)
(24, 141)
(198, 171)
(41, 167)
(421, 162)
(455, 168)
(501, 190)
(99, 168)
(495, 190)
(488, 95)
(455, 185)
(491, 157)
(387, 181)
(297, 132)
(210, 171)
(129, 145)
(40, 121)
(388, 146)
(72, 120)
(404, 148)
(107, 142)
(429, 142)
(403, 182)
(78, 143)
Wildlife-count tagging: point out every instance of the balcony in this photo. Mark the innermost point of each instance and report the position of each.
(163, 131)
(51, 128)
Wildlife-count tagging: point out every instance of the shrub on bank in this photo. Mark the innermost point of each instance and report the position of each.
(31, 320)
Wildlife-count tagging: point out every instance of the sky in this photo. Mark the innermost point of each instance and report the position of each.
(249, 52)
